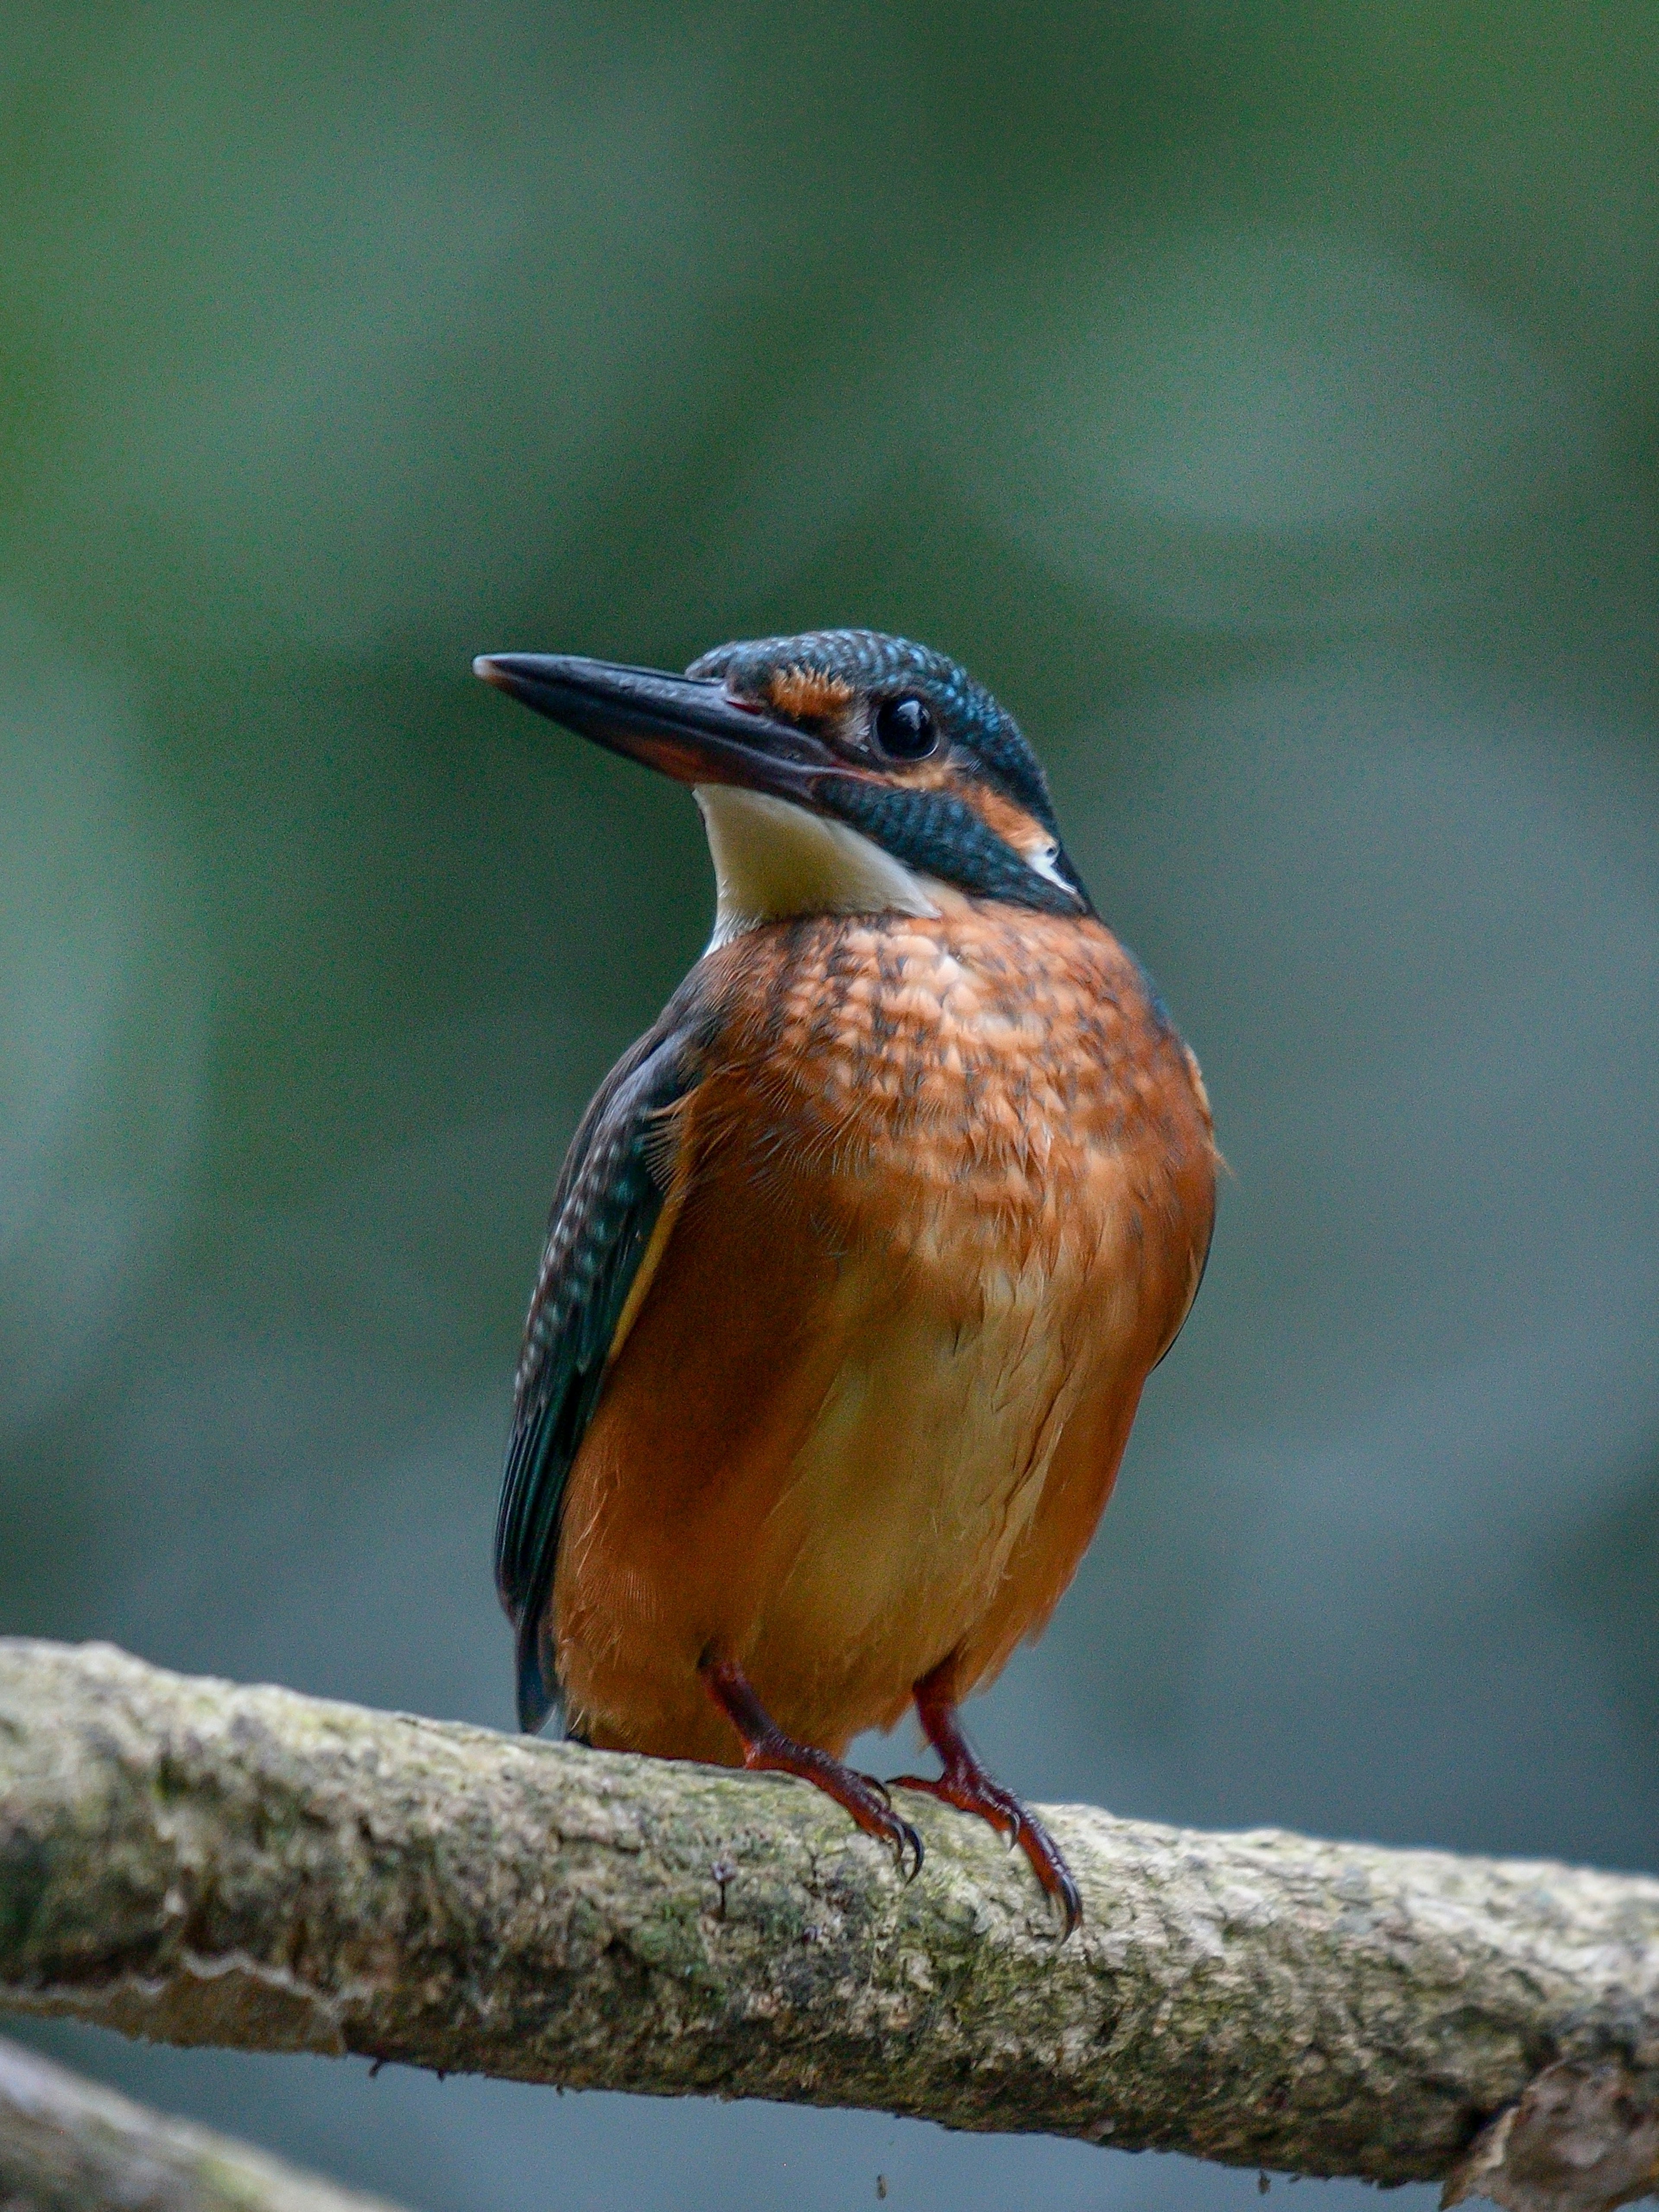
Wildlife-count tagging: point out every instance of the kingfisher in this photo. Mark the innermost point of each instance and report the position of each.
(860, 1257)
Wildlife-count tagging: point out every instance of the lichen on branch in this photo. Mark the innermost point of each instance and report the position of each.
(198, 1863)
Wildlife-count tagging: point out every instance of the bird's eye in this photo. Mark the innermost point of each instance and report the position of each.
(904, 727)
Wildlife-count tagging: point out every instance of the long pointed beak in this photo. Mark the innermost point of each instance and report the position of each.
(688, 727)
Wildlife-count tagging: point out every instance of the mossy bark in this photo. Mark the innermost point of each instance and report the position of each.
(197, 1862)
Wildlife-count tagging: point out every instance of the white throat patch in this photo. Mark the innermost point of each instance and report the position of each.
(773, 858)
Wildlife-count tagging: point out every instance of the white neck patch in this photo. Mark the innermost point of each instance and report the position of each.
(773, 858)
(1040, 859)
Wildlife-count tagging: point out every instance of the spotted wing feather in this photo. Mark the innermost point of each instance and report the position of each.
(610, 1193)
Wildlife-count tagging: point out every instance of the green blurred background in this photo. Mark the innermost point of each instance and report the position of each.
(1264, 400)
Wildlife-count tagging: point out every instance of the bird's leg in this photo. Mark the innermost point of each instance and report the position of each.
(965, 1785)
(767, 1749)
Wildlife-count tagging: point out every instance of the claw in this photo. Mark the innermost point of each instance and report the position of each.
(910, 1845)
(768, 1750)
(1065, 1894)
(965, 1785)
(894, 1830)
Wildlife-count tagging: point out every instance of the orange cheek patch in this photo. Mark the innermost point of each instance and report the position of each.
(807, 693)
(1012, 824)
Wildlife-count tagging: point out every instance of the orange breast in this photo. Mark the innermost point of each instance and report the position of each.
(946, 1194)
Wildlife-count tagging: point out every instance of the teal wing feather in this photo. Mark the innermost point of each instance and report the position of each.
(611, 1192)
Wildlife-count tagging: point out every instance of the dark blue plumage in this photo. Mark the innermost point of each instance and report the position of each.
(872, 663)
(941, 835)
(609, 1195)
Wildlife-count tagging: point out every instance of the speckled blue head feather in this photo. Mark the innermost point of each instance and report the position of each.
(870, 661)
(936, 829)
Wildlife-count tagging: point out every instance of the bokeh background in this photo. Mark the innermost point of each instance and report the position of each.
(1264, 400)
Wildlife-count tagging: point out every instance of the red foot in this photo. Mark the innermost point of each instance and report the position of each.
(965, 1785)
(767, 1749)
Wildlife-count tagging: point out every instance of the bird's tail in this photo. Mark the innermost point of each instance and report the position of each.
(537, 1685)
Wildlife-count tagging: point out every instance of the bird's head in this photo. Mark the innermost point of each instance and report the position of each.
(838, 772)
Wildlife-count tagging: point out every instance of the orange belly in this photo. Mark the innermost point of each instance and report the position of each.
(942, 1204)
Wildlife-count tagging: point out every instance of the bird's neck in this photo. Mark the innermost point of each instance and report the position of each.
(774, 859)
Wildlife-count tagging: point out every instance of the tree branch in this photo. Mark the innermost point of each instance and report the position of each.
(200, 1863)
(68, 2145)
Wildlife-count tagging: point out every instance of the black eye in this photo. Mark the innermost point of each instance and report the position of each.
(904, 727)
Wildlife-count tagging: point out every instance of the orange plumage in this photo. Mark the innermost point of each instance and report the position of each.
(942, 1199)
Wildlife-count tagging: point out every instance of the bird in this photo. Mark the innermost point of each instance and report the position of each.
(860, 1257)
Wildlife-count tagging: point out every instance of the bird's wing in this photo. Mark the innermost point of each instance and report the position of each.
(616, 1179)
